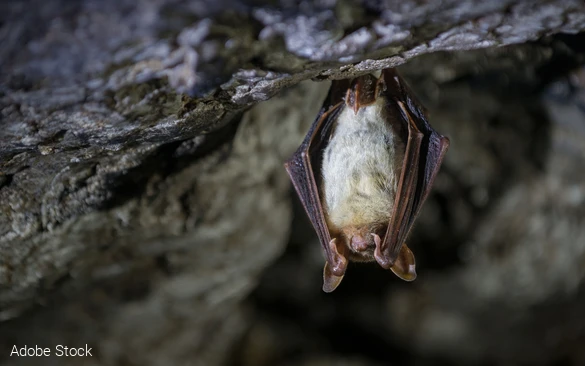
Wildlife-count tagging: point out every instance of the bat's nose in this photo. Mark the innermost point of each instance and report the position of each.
(359, 244)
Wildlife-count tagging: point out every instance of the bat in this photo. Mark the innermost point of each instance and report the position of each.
(364, 170)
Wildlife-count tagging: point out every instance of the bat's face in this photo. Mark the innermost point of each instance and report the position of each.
(361, 242)
(363, 172)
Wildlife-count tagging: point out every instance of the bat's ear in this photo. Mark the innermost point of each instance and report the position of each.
(330, 281)
(335, 266)
(404, 265)
(337, 258)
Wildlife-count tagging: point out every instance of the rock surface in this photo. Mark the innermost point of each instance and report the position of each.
(141, 198)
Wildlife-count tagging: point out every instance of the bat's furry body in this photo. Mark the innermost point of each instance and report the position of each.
(363, 172)
(361, 167)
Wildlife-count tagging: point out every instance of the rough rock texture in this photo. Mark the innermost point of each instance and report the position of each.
(139, 204)
(161, 276)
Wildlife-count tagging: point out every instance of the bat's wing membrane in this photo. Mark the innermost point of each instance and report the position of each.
(301, 172)
(304, 169)
(423, 156)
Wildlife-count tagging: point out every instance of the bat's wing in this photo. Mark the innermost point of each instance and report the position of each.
(304, 169)
(424, 154)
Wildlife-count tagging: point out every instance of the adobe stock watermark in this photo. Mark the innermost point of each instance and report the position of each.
(59, 351)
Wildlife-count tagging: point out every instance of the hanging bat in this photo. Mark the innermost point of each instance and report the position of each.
(363, 172)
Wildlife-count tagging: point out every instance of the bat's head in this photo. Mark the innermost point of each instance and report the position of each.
(364, 244)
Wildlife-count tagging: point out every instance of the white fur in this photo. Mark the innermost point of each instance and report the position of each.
(361, 167)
